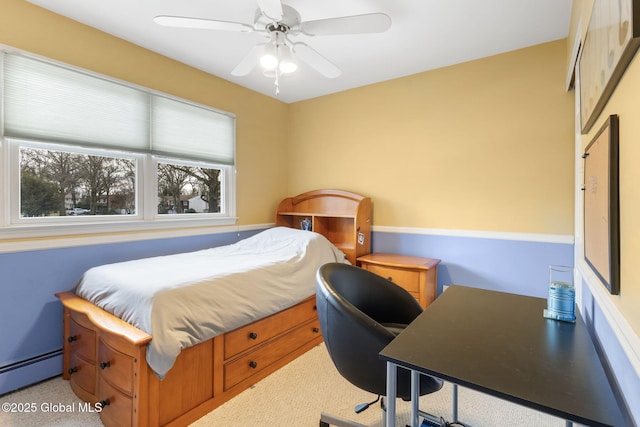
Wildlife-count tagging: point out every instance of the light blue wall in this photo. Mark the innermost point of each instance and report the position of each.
(32, 338)
(616, 362)
(30, 314)
(515, 266)
(520, 267)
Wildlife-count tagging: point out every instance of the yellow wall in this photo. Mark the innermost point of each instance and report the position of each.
(260, 120)
(483, 145)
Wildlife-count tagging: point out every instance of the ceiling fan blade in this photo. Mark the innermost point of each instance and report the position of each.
(315, 60)
(199, 23)
(272, 9)
(356, 24)
(249, 62)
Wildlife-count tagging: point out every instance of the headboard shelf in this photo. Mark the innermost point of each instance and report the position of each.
(344, 218)
(318, 214)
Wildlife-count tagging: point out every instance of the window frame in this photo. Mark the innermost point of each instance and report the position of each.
(15, 217)
(224, 186)
(146, 218)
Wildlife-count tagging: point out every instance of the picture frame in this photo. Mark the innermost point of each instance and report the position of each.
(602, 205)
(612, 39)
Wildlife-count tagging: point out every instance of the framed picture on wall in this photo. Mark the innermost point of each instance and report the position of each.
(601, 205)
(611, 42)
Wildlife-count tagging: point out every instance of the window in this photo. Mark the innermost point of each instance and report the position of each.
(79, 147)
(188, 188)
(54, 182)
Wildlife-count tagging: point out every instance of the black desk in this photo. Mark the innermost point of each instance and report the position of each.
(500, 344)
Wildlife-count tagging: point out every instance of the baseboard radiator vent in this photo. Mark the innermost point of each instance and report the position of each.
(30, 371)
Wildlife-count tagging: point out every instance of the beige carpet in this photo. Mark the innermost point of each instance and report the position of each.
(293, 396)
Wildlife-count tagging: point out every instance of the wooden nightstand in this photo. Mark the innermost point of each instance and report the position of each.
(415, 274)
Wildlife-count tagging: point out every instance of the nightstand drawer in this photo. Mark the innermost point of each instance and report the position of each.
(415, 274)
(410, 280)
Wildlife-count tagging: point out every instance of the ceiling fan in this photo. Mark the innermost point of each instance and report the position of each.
(279, 22)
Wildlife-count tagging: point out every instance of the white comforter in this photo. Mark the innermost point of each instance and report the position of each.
(184, 299)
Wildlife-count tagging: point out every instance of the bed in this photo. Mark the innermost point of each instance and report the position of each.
(175, 346)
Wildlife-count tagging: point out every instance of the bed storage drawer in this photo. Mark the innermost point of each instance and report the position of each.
(242, 339)
(116, 368)
(80, 367)
(117, 408)
(260, 358)
(81, 339)
(195, 385)
(83, 374)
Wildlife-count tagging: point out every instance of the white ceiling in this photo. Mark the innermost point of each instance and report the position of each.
(424, 35)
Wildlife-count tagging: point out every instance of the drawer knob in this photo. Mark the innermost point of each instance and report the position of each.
(104, 365)
(72, 370)
(253, 335)
(316, 330)
(253, 364)
(72, 338)
(104, 403)
(390, 278)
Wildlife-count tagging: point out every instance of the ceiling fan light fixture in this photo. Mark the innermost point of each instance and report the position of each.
(288, 67)
(269, 62)
(280, 55)
(269, 59)
(287, 64)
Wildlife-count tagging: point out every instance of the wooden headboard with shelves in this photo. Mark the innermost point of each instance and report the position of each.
(344, 218)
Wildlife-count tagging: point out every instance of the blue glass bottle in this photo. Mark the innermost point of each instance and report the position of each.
(562, 294)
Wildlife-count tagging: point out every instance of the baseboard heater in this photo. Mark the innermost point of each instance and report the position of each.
(30, 371)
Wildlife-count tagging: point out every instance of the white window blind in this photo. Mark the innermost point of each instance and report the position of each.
(47, 102)
(51, 103)
(185, 130)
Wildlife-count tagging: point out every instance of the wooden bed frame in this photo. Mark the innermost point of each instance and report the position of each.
(105, 357)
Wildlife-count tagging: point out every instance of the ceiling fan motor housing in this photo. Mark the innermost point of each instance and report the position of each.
(290, 19)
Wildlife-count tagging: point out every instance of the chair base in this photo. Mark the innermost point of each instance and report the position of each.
(327, 420)
(429, 420)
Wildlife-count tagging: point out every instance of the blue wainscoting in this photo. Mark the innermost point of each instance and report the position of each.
(521, 266)
(617, 361)
(31, 316)
(506, 265)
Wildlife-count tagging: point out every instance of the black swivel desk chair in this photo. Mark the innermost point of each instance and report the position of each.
(360, 313)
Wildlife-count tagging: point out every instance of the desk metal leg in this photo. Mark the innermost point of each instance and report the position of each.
(392, 374)
(415, 396)
(455, 403)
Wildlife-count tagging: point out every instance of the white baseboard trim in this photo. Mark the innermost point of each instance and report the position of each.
(500, 235)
